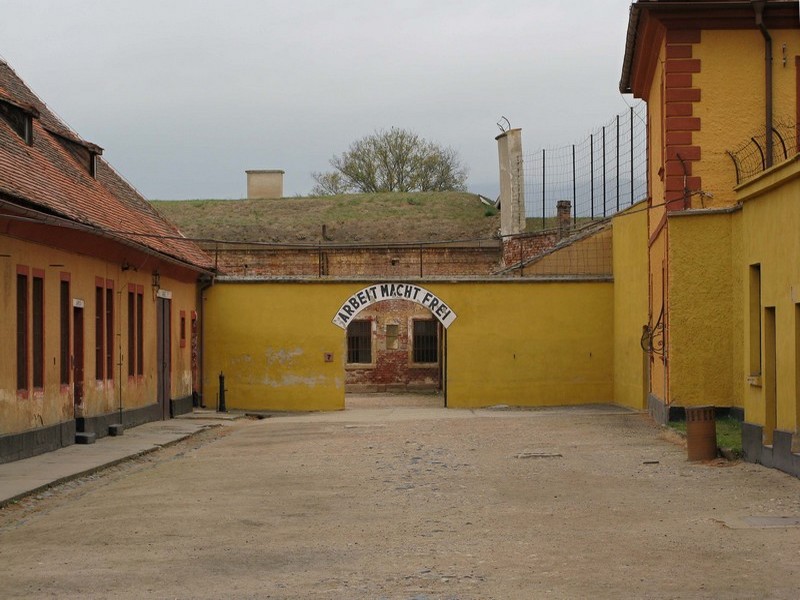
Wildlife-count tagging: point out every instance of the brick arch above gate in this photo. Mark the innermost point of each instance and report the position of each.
(393, 291)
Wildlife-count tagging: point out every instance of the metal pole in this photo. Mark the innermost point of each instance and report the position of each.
(604, 170)
(617, 163)
(543, 186)
(574, 195)
(591, 171)
(631, 155)
(221, 407)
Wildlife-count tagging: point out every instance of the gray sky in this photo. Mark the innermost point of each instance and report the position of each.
(186, 95)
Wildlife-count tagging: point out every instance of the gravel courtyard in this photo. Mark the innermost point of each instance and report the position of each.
(413, 502)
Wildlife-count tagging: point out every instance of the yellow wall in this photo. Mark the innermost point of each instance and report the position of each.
(516, 343)
(630, 306)
(704, 319)
(731, 108)
(54, 403)
(769, 237)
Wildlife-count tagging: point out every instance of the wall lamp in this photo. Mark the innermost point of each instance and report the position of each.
(156, 280)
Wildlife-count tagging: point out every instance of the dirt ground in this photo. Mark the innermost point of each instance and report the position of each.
(412, 502)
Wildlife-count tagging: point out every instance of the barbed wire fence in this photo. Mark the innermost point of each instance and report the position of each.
(750, 158)
(600, 176)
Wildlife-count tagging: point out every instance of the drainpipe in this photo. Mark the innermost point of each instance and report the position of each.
(758, 7)
(204, 285)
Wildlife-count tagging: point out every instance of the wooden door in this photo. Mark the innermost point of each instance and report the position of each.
(164, 353)
(77, 355)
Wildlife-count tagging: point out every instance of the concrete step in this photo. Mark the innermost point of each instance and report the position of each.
(85, 437)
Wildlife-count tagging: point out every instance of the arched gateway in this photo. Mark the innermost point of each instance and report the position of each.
(395, 339)
(393, 291)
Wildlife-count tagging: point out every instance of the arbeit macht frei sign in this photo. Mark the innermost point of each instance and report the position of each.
(393, 291)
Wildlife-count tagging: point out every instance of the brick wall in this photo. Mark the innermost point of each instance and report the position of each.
(392, 369)
(522, 247)
(332, 262)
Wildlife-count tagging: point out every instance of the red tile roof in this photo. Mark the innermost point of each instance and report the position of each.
(48, 177)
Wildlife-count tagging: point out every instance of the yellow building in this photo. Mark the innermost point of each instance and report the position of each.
(98, 291)
(721, 84)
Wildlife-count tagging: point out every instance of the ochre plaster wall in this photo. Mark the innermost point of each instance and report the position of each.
(54, 403)
(731, 107)
(704, 316)
(630, 306)
(770, 222)
(515, 343)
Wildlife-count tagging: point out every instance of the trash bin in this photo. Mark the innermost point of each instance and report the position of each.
(701, 433)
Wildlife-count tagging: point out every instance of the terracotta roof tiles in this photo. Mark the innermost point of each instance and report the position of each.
(48, 176)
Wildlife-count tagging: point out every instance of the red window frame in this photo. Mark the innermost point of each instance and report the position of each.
(37, 328)
(22, 329)
(65, 328)
(183, 328)
(140, 330)
(99, 328)
(109, 312)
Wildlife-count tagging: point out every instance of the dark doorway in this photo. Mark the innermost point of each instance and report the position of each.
(163, 353)
(77, 355)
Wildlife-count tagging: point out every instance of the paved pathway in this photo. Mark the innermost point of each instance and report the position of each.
(29, 475)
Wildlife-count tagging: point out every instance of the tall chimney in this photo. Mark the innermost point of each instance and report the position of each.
(563, 217)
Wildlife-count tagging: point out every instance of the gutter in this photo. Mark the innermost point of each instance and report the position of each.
(630, 46)
(758, 8)
(35, 216)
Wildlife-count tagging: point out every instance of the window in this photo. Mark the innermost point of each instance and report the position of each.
(38, 329)
(359, 342)
(30, 329)
(19, 119)
(131, 330)
(99, 332)
(104, 328)
(183, 329)
(755, 319)
(392, 333)
(139, 330)
(64, 307)
(425, 341)
(109, 329)
(22, 328)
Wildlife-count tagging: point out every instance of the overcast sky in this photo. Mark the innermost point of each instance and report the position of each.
(186, 95)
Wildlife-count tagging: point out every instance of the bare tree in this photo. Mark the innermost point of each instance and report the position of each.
(397, 160)
(329, 184)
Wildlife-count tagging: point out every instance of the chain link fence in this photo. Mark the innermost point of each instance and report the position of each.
(599, 176)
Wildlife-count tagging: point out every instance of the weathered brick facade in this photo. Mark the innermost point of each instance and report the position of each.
(362, 261)
(393, 368)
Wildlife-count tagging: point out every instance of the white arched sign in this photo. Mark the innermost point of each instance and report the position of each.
(393, 291)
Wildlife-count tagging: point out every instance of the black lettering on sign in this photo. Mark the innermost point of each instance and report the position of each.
(386, 291)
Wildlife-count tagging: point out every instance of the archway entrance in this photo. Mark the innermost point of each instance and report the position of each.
(396, 345)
